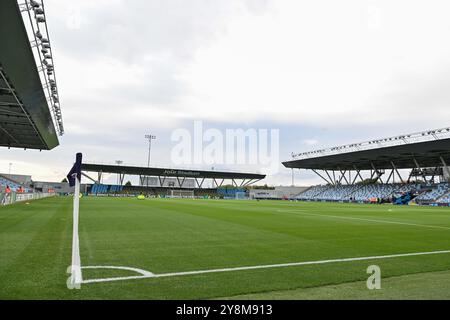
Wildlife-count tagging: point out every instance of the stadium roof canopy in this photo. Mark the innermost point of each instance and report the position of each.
(417, 150)
(25, 118)
(199, 175)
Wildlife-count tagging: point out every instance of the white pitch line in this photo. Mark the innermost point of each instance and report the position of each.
(364, 219)
(141, 271)
(267, 266)
(76, 274)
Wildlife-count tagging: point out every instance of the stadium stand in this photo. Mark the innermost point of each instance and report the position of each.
(445, 198)
(434, 194)
(12, 184)
(380, 191)
(312, 193)
(358, 193)
(374, 171)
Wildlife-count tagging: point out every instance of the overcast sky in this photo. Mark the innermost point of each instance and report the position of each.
(322, 72)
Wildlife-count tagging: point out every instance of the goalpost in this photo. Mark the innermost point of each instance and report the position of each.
(181, 194)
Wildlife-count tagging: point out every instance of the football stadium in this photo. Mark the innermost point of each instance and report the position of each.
(187, 233)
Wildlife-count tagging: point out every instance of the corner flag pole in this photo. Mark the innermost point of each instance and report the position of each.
(74, 178)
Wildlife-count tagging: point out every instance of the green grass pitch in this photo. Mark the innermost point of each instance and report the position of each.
(178, 235)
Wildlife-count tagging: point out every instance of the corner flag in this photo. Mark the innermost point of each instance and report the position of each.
(76, 169)
(74, 177)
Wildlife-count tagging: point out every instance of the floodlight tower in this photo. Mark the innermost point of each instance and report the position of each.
(118, 162)
(149, 137)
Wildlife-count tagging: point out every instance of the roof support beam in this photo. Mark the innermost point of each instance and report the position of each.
(121, 178)
(358, 174)
(85, 175)
(446, 168)
(420, 169)
(391, 175)
(377, 172)
(252, 182)
(161, 182)
(180, 184)
(332, 182)
(396, 170)
(201, 183)
(328, 182)
(343, 176)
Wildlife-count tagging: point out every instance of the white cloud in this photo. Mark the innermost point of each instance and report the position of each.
(310, 142)
(323, 61)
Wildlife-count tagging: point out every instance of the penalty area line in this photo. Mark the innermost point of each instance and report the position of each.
(267, 266)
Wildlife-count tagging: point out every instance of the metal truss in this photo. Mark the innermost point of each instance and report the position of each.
(6, 110)
(34, 12)
(339, 177)
(199, 182)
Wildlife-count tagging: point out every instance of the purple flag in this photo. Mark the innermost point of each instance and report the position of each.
(76, 169)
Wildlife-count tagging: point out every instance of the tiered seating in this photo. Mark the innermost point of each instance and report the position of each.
(356, 192)
(445, 198)
(406, 188)
(434, 194)
(338, 193)
(13, 185)
(5, 182)
(374, 191)
(312, 193)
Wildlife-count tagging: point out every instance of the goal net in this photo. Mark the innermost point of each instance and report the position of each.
(241, 195)
(181, 194)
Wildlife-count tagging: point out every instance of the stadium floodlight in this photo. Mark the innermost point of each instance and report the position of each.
(118, 162)
(40, 19)
(34, 4)
(149, 137)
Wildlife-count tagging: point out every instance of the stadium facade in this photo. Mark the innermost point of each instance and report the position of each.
(162, 181)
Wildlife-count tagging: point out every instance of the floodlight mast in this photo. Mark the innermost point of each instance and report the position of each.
(118, 162)
(149, 137)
